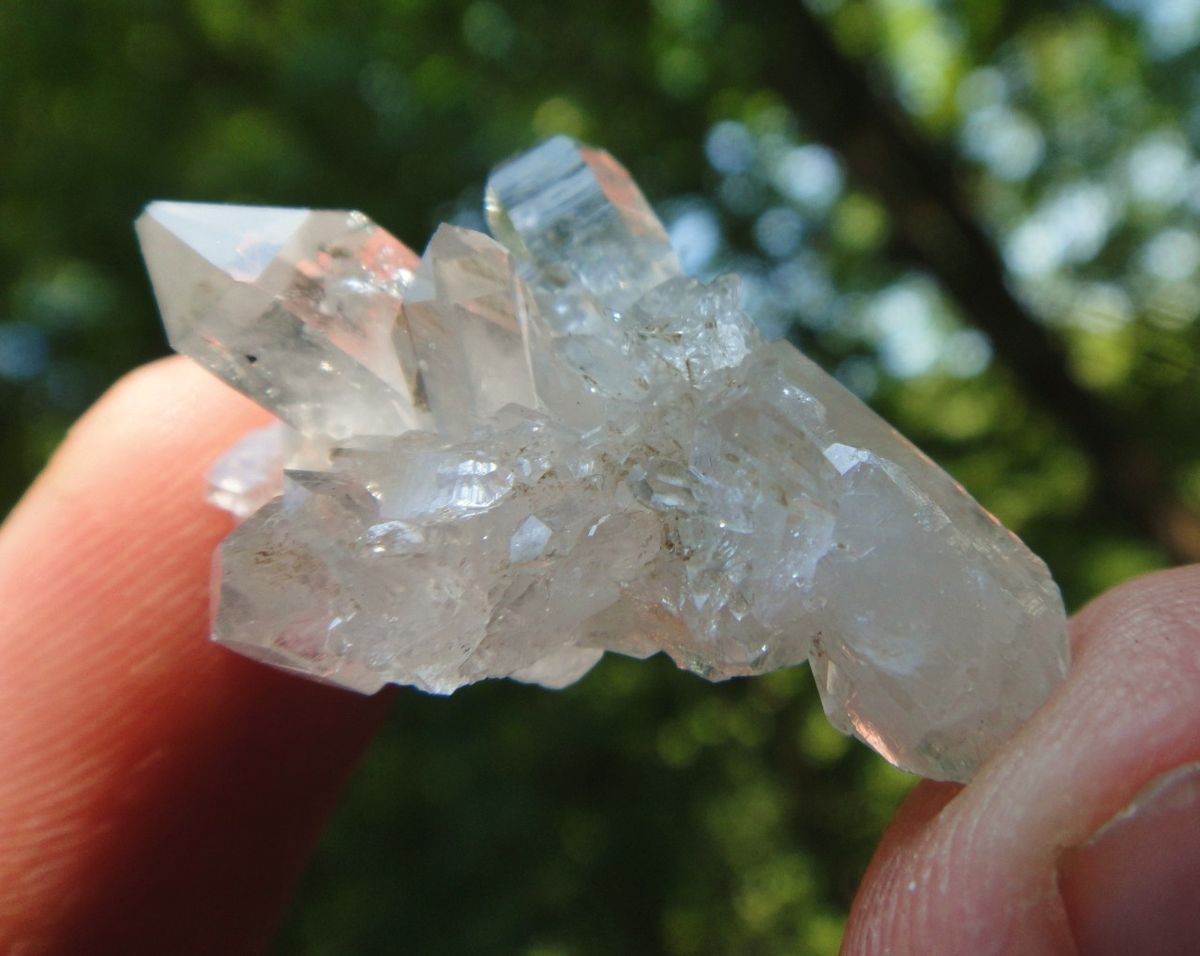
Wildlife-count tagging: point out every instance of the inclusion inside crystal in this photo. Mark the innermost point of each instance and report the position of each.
(510, 455)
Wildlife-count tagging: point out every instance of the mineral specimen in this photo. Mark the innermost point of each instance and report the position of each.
(514, 454)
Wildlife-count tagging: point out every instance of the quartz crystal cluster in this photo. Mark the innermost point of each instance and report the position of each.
(516, 452)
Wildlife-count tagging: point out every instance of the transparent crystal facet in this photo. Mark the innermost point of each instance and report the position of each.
(581, 228)
(300, 310)
(521, 454)
(468, 313)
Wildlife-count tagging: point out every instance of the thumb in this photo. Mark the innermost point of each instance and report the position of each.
(1083, 835)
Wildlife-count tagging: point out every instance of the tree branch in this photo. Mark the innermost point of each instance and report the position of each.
(931, 215)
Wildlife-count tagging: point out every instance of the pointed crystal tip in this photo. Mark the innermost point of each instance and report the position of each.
(299, 309)
(241, 241)
(566, 208)
(469, 312)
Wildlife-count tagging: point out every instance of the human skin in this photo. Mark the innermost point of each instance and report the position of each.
(160, 794)
(1021, 860)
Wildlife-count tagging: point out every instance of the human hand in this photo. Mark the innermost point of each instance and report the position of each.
(160, 794)
(1083, 835)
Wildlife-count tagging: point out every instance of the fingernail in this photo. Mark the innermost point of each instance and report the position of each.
(1134, 886)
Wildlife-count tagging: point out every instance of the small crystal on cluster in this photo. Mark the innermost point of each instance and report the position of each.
(513, 454)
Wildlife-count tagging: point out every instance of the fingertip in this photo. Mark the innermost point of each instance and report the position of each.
(1132, 886)
(159, 792)
(980, 874)
(884, 905)
(918, 811)
(1161, 601)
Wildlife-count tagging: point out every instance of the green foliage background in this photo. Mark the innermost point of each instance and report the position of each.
(642, 810)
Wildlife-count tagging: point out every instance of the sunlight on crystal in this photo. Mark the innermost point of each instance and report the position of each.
(529, 540)
(859, 374)
(209, 229)
(522, 452)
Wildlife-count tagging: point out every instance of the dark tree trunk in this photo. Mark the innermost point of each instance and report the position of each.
(934, 222)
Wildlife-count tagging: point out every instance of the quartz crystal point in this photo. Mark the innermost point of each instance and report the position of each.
(515, 455)
(297, 309)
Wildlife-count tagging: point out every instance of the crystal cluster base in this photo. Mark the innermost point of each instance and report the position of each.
(512, 454)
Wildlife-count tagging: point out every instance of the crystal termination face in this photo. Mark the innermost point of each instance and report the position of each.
(511, 455)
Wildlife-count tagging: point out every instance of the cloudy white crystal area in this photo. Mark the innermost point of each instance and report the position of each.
(512, 456)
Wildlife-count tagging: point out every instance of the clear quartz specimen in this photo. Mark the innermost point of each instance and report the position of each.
(467, 312)
(517, 455)
(299, 309)
(251, 473)
(582, 228)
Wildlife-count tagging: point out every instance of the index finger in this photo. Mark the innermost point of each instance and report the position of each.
(158, 793)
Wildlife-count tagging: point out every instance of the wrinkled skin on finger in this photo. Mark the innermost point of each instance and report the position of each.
(159, 794)
(1012, 863)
